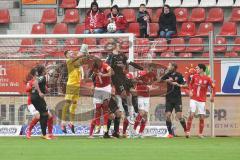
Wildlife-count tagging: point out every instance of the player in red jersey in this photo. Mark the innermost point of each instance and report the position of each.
(101, 75)
(143, 89)
(198, 87)
(36, 116)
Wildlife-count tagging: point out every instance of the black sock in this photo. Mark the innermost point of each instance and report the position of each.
(43, 123)
(116, 124)
(135, 103)
(183, 123)
(125, 107)
(169, 127)
(109, 125)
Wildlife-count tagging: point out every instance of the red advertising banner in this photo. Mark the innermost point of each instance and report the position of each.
(26, 2)
(13, 73)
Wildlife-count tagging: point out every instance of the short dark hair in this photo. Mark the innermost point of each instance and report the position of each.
(202, 66)
(174, 65)
(40, 68)
(65, 53)
(116, 7)
(142, 5)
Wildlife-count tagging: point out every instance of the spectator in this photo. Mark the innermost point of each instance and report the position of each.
(95, 20)
(143, 19)
(167, 23)
(116, 17)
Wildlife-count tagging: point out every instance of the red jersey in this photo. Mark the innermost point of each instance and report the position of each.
(28, 90)
(101, 81)
(120, 21)
(199, 86)
(142, 87)
(95, 20)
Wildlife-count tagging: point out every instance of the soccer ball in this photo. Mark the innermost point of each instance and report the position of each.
(111, 28)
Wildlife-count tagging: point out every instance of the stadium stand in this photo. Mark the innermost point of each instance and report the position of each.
(134, 28)
(188, 29)
(189, 3)
(49, 16)
(154, 28)
(71, 16)
(167, 54)
(181, 14)
(129, 14)
(150, 12)
(205, 28)
(235, 15)
(221, 41)
(231, 54)
(49, 45)
(121, 3)
(68, 4)
(27, 46)
(236, 48)
(185, 55)
(173, 3)
(60, 28)
(215, 15)
(156, 15)
(198, 15)
(80, 28)
(142, 45)
(155, 3)
(195, 41)
(4, 16)
(69, 44)
(228, 29)
(159, 45)
(39, 29)
(177, 41)
(207, 3)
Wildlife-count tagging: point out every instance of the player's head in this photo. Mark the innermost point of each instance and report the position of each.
(41, 70)
(201, 68)
(94, 6)
(172, 66)
(31, 74)
(142, 7)
(115, 9)
(166, 9)
(69, 53)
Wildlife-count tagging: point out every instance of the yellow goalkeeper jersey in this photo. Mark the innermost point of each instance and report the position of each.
(74, 73)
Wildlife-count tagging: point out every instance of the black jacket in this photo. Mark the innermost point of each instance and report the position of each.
(167, 21)
(141, 21)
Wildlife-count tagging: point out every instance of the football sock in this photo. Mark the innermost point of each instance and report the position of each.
(201, 126)
(183, 123)
(169, 127)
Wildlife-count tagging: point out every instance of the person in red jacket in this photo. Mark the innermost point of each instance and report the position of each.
(116, 17)
(95, 20)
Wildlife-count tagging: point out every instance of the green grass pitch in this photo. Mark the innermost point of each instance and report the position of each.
(80, 148)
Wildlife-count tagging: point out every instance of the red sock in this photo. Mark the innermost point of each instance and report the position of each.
(189, 123)
(32, 124)
(125, 125)
(142, 126)
(137, 121)
(92, 127)
(105, 116)
(98, 114)
(201, 126)
(50, 125)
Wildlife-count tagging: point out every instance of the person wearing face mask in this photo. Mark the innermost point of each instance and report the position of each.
(116, 17)
(95, 20)
(167, 23)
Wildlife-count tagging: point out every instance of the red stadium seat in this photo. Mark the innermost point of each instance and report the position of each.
(38, 29)
(228, 29)
(205, 55)
(221, 41)
(68, 4)
(60, 28)
(49, 16)
(215, 15)
(231, 54)
(167, 54)
(181, 14)
(71, 16)
(154, 29)
(236, 48)
(188, 29)
(134, 28)
(27, 45)
(70, 44)
(159, 45)
(106, 12)
(177, 41)
(91, 42)
(185, 55)
(198, 15)
(195, 41)
(129, 14)
(80, 28)
(4, 16)
(142, 45)
(235, 16)
(49, 45)
(150, 12)
(157, 14)
(204, 29)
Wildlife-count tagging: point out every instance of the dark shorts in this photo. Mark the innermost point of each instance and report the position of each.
(112, 105)
(39, 103)
(173, 105)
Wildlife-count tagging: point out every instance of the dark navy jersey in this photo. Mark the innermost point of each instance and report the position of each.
(113, 60)
(42, 85)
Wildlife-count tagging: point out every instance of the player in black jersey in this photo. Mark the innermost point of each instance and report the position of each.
(37, 98)
(174, 97)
